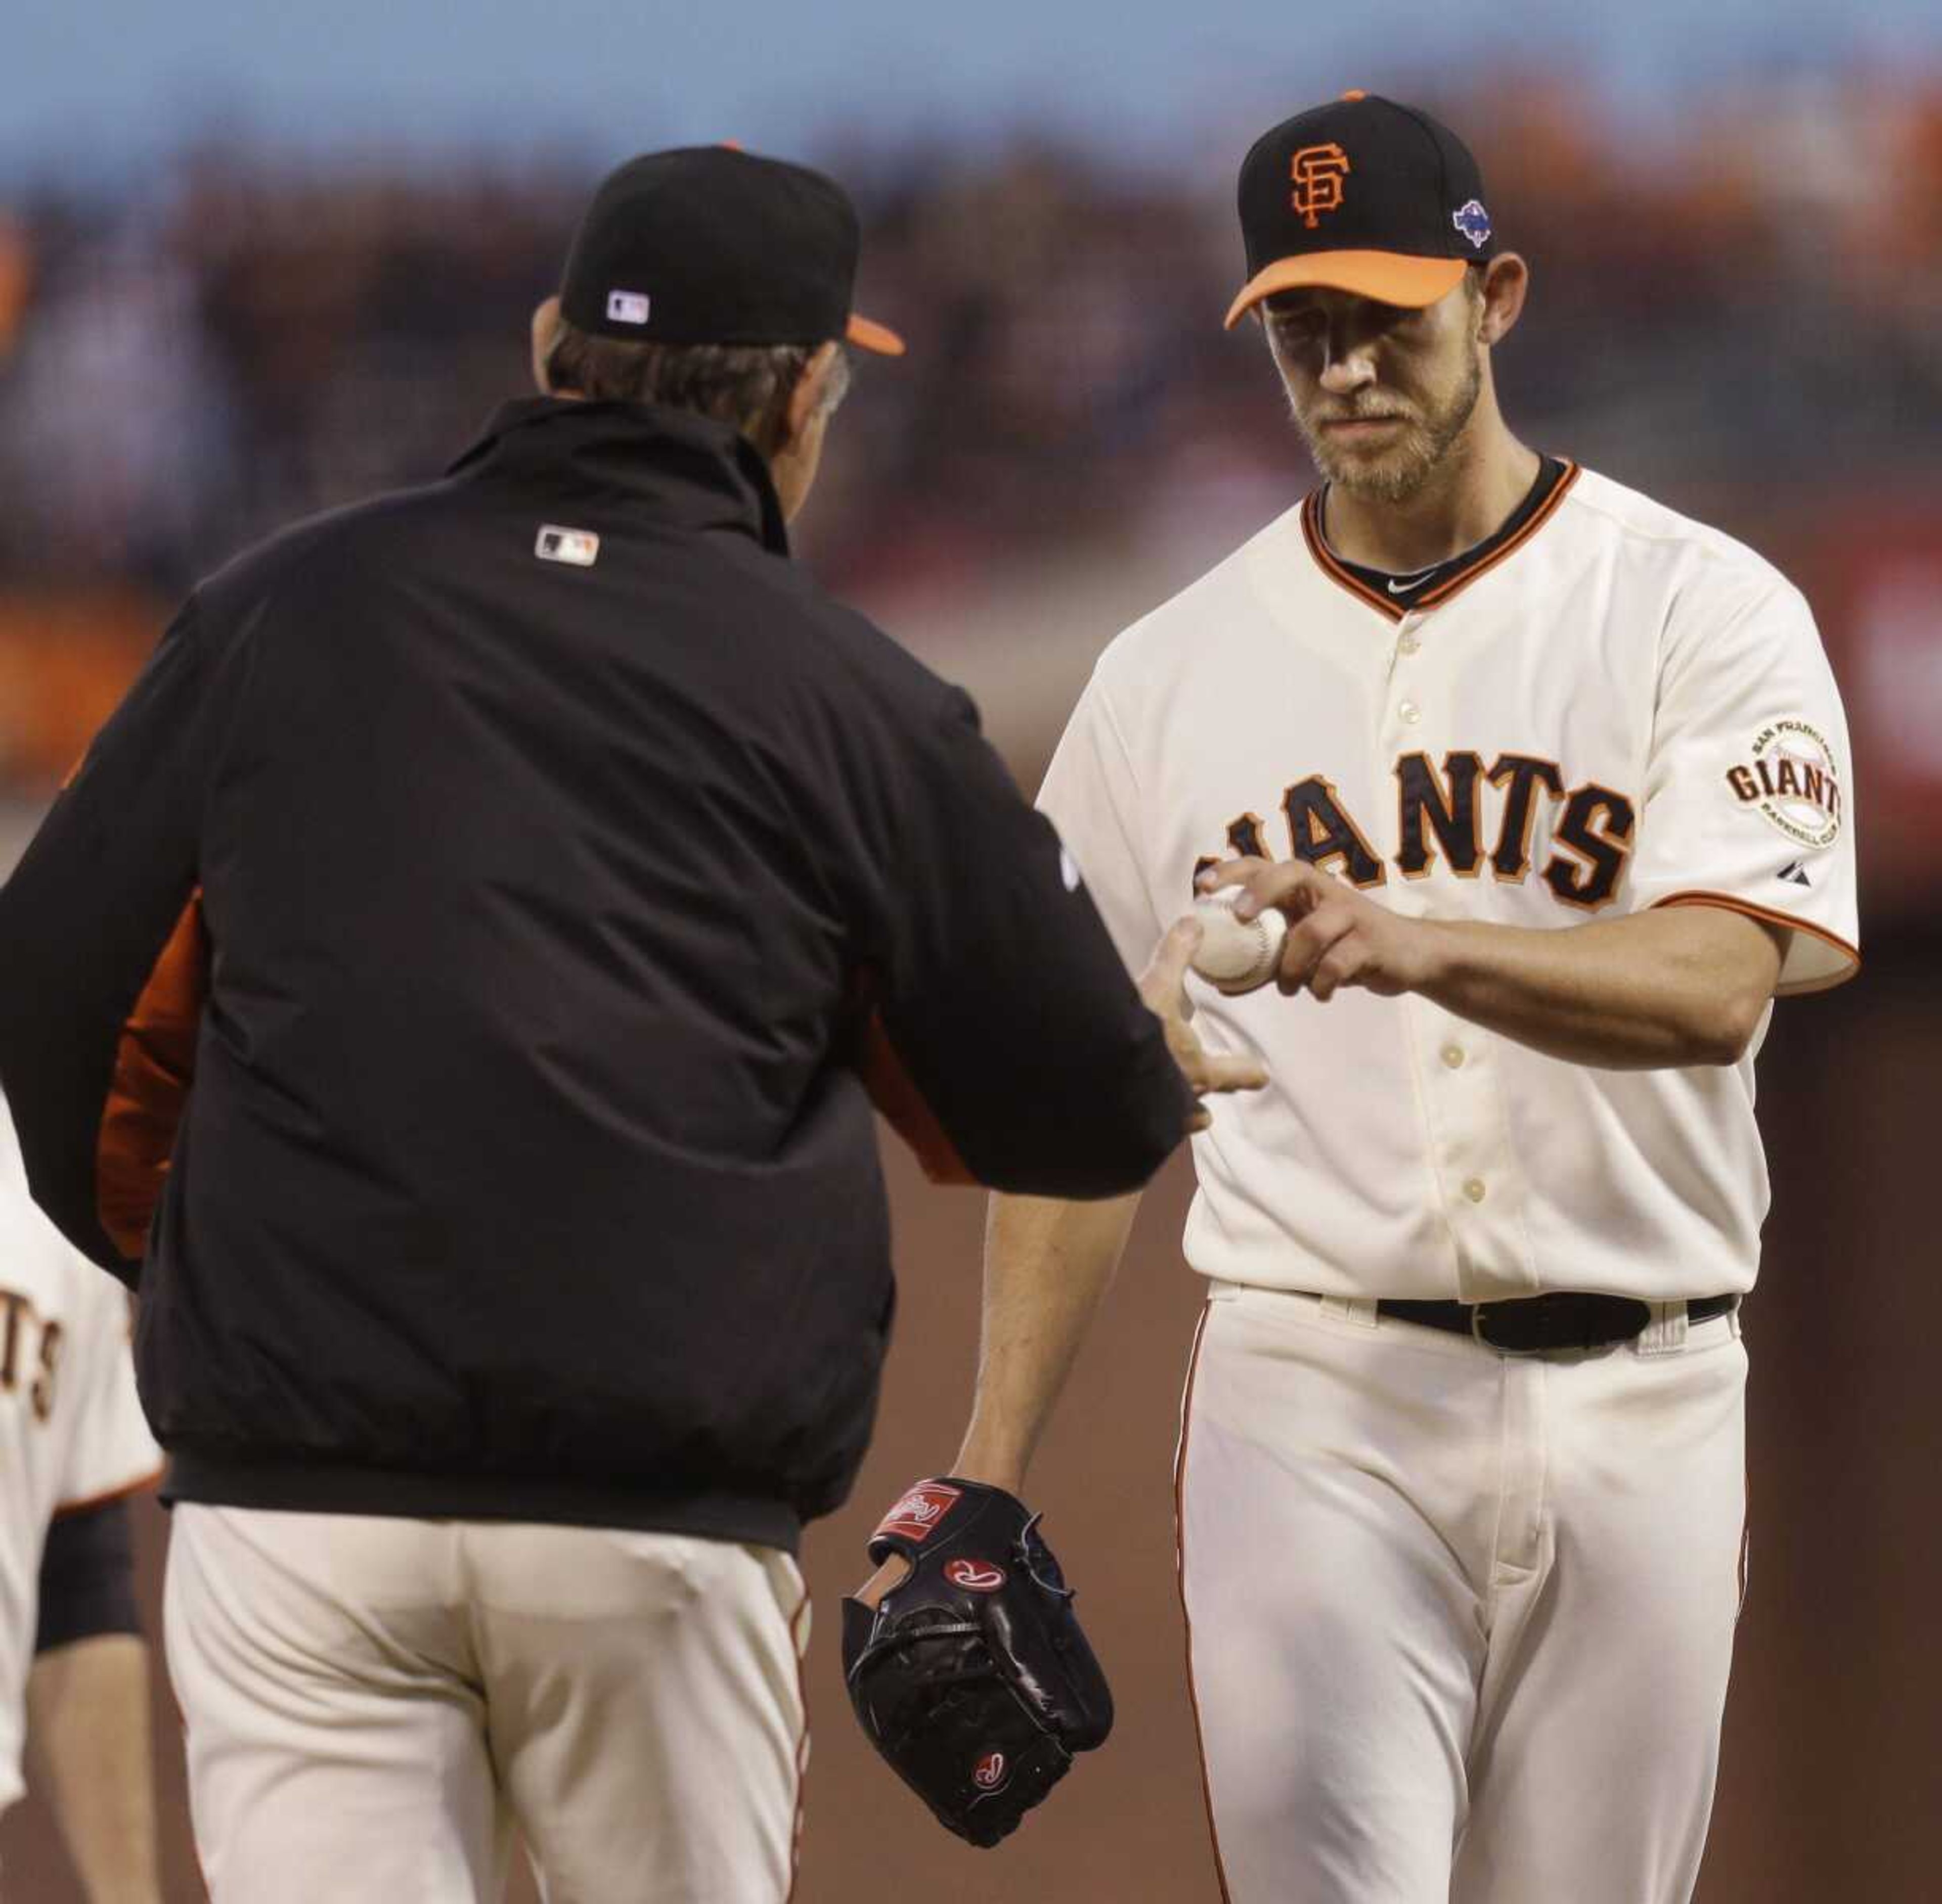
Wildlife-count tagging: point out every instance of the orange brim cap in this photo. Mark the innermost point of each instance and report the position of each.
(867, 335)
(1389, 277)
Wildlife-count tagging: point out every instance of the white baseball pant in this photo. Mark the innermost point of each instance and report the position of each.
(374, 1706)
(1459, 1622)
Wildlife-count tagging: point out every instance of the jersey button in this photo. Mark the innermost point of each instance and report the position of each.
(1411, 712)
(1453, 1056)
(1473, 1190)
(1406, 644)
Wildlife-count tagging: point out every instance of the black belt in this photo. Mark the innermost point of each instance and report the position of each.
(1558, 1319)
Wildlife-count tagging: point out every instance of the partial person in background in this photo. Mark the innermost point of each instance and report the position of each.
(74, 1667)
(1554, 788)
(519, 876)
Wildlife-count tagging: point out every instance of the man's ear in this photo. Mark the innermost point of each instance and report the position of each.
(1506, 281)
(545, 330)
(807, 398)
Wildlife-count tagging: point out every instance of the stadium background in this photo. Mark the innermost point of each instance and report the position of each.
(225, 302)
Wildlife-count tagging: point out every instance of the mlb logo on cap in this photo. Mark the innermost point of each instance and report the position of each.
(740, 249)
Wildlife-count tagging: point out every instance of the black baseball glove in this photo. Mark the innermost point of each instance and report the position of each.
(972, 1677)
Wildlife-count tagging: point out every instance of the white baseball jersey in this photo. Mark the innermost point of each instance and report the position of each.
(1614, 708)
(72, 1432)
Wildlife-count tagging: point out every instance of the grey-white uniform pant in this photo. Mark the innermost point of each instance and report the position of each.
(1459, 1622)
(374, 1706)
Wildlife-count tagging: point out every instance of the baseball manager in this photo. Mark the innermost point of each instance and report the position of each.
(448, 986)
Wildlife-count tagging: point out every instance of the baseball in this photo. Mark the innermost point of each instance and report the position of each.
(1237, 955)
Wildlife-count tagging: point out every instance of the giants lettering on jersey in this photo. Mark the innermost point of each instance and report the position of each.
(30, 1346)
(1446, 812)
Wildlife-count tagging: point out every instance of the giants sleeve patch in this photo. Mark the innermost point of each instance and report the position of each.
(1789, 777)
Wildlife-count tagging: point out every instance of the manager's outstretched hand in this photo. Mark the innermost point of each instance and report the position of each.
(1163, 986)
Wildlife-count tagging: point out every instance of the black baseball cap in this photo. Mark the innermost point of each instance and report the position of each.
(1363, 195)
(709, 244)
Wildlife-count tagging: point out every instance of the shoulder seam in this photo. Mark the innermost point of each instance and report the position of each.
(1700, 537)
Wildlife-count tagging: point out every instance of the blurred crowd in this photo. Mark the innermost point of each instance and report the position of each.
(1743, 301)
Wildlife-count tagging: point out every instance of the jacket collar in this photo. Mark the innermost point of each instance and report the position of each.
(679, 467)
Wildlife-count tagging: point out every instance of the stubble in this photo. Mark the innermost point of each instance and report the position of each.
(1403, 468)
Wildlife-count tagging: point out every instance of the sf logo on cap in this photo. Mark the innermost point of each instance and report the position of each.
(1318, 172)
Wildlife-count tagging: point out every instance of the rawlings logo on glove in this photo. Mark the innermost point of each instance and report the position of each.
(972, 1677)
(975, 1576)
(922, 1509)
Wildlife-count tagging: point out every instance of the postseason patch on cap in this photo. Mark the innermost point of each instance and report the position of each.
(628, 307)
(1473, 221)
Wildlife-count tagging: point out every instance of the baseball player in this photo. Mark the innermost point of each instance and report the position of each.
(1552, 785)
(74, 1674)
(451, 985)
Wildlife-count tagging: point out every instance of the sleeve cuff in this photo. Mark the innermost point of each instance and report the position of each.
(1817, 960)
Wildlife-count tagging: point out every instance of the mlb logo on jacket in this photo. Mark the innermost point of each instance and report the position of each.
(580, 547)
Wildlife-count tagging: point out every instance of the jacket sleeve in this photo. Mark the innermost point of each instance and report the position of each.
(103, 889)
(1013, 1050)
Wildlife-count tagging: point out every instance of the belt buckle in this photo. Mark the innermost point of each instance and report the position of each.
(1477, 1313)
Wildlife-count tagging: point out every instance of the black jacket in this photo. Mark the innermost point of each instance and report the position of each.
(506, 1084)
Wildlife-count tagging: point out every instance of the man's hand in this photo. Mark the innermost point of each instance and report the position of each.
(1163, 986)
(1335, 937)
(1674, 986)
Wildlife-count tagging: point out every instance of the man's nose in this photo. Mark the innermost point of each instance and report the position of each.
(1346, 369)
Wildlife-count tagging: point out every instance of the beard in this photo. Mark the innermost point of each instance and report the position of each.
(1400, 470)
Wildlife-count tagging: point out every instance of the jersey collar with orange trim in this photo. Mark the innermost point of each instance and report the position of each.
(1438, 582)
